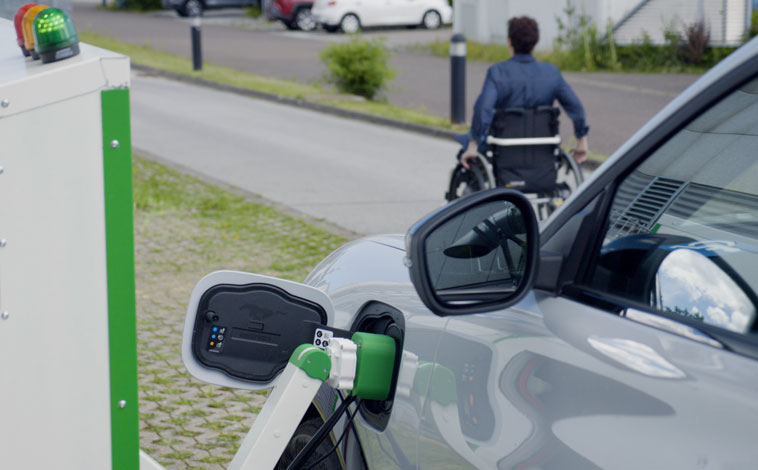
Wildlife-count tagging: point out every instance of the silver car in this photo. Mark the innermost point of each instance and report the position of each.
(618, 334)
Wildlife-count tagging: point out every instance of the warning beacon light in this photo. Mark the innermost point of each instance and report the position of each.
(27, 27)
(55, 37)
(19, 28)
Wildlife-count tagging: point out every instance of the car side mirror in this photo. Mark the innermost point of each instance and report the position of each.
(241, 328)
(476, 254)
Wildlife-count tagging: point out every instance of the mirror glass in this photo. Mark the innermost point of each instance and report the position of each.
(479, 254)
(690, 284)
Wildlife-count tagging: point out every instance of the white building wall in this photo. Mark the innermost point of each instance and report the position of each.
(737, 20)
(727, 20)
(486, 20)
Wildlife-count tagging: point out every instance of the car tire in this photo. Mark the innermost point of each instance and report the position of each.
(350, 24)
(304, 433)
(304, 20)
(191, 8)
(431, 20)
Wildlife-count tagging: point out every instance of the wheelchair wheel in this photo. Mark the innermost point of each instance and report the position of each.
(464, 182)
(570, 175)
(568, 180)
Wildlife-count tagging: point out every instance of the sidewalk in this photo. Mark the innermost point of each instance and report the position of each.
(616, 104)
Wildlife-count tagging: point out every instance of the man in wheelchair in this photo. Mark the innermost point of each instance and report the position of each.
(516, 102)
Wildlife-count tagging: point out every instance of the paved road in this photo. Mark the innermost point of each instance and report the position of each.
(366, 178)
(617, 104)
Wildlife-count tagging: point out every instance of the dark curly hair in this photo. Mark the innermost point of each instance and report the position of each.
(523, 33)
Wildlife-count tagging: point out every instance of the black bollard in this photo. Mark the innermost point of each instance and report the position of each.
(197, 53)
(458, 79)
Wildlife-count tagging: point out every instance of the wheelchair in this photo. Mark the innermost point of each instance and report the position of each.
(526, 143)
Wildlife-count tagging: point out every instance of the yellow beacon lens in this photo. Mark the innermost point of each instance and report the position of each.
(27, 24)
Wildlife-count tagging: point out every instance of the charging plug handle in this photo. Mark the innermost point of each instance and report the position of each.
(375, 366)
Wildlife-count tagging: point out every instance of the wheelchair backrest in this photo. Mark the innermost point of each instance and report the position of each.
(529, 168)
(525, 122)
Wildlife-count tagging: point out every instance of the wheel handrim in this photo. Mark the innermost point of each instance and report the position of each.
(465, 182)
(432, 20)
(350, 24)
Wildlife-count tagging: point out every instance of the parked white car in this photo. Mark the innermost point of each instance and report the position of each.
(352, 15)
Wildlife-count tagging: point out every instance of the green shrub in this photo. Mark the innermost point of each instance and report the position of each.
(613, 61)
(253, 11)
(578, 47)
(358, 67)
(695, 42)
(581, 46)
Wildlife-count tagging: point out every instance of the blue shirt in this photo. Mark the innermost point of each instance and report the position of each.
(522, 82)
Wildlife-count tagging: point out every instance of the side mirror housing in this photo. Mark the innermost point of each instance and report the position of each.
(476, 254)
(241, 328)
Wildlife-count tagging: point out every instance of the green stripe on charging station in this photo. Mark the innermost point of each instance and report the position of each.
(122, 320)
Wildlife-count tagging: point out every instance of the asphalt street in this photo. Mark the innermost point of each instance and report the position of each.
(366, 178)
(616, 104)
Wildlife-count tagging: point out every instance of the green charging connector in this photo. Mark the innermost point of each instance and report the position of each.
(376, 365)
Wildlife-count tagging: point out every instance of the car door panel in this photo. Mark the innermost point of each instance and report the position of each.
(576, 387)
(405, 11)
(371, 12)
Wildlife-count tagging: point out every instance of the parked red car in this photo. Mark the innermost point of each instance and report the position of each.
(295, 14)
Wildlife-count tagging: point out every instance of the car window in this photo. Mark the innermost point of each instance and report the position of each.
(682, 233)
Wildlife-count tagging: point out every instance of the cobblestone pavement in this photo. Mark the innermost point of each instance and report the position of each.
(185, 229)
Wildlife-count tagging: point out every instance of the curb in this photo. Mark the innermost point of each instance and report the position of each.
(323, 108)
(407, 126)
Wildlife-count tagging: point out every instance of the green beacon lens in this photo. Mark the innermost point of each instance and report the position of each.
(55, 37)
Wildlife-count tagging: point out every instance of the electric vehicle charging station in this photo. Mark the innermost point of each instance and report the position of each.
(67, 297)
(68, 351)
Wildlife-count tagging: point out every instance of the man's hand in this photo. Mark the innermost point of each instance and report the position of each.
(469, 154)
(580, 151)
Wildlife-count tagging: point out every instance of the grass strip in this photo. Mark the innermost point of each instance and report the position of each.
(146, 55)
(568, 61)
(185, 229)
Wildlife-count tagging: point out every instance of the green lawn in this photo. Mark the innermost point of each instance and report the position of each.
(185, 229)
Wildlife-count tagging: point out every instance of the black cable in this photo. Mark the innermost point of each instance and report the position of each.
(322, 432)
(337, 444)
(357, 437)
